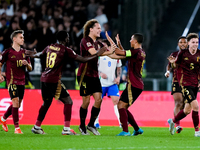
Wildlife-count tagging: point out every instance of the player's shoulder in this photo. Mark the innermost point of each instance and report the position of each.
(7, 50)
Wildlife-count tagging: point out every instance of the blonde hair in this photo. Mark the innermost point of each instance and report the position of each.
(14, 34)
(191, 36)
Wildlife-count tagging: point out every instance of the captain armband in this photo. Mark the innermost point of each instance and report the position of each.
(128, 53)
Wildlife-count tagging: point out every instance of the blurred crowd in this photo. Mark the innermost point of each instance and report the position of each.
(42, 19)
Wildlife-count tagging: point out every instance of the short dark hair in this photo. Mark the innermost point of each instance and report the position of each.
(106, 41)
(14, 34)
(191, 36)
(139, 37)
(62, 35)
(181, 37)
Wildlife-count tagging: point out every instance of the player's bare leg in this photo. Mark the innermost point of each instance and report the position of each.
(115, 100)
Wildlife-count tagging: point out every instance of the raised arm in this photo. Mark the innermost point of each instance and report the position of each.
(119, 42)
(172, 60)
(114, 46)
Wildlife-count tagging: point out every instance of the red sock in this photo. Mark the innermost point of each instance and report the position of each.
(132, 121)
(8, 112)
(67, 114)
(179, 116)
(42, 112)
(15, 115)
(123, 119)
(195, 119)
(178, 123)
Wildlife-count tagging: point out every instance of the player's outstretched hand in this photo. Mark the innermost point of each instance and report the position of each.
(109, 39)
(117, 38)
(101, 51)
(171, 59)
(30, 53)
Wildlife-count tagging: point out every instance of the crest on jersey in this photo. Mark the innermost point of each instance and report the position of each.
(88, 44)
(23, 55)
(198, 59)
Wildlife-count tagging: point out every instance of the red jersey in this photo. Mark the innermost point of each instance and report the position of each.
(136, 58)
(56, 56)
(85, 45)
(15, 70)
(188, 68)
(174, 54)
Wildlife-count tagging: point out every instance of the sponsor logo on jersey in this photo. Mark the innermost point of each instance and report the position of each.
(88, 44)
(54, 48)
(186, 58)
(13, 56)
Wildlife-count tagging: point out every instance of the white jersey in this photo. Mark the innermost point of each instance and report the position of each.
(108, 66)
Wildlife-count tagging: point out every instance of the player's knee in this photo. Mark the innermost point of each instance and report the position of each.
(196, 108)
(178, 104)
(115, 102)
(187, 111)
(99, 100)
(47, 104)
(15, 102)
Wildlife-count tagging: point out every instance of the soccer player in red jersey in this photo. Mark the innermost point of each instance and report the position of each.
(188, 64)
(56, 56)
(176, 88)
(16, 63)
(136, 57)
(88, 76)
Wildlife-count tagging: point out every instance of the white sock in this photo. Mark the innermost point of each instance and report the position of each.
(97, 120)
(117, 113)
(66, 128)
(37, 127)
(3, 119)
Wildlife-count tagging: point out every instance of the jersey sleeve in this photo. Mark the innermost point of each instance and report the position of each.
(44, 51)
(119, 63)
(179, 57)
(131, 52)
(4, 56)
(71, 54)
(87, 44)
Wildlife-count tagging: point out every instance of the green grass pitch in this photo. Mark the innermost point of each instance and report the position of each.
(153, 139)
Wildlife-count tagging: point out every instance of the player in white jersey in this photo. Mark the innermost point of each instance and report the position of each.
(109, 81)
